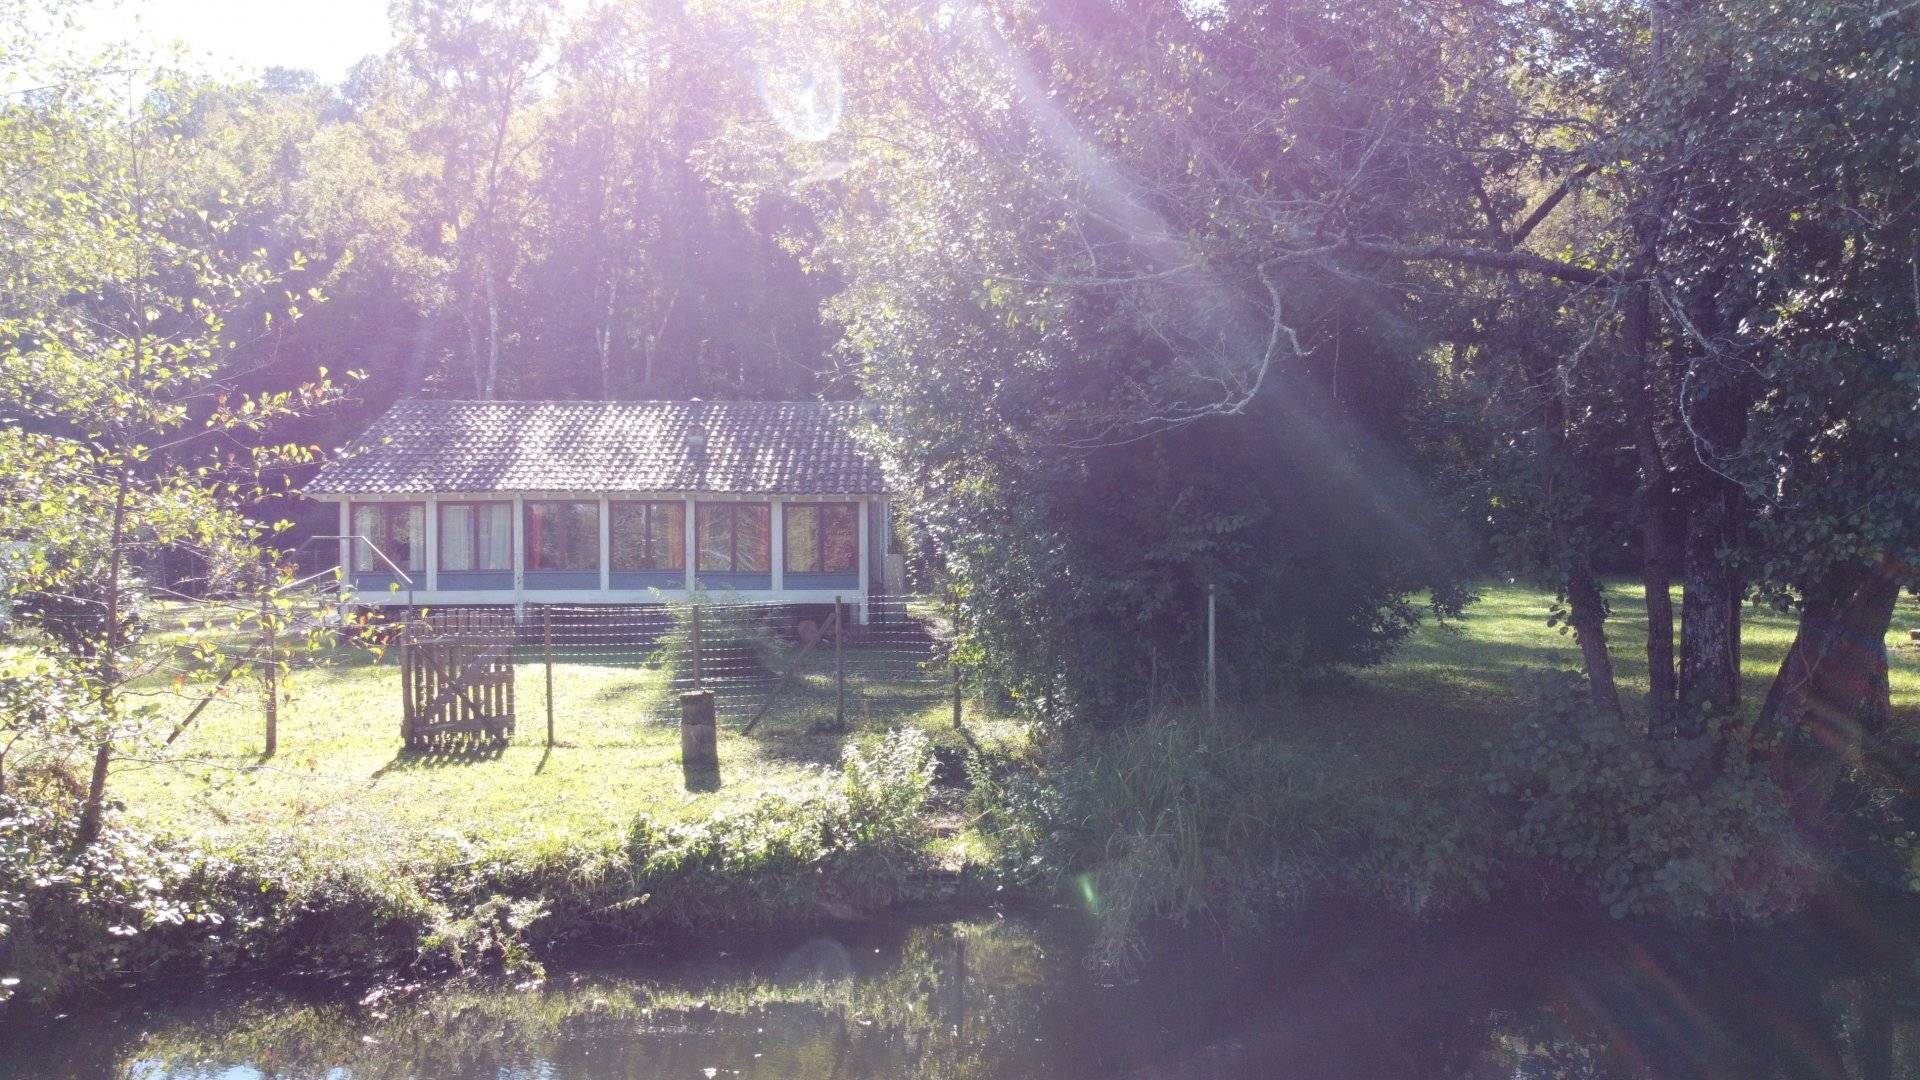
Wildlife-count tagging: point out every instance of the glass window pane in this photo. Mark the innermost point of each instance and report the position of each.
(456, 537)
(840, 538)
(628, 523)
(668, 536)
(802, 534)
(753, 538)
(535, 537)
(714, 522)
(586, 536)
(563, 536)
(366, 523)
(493, 537)
(411, 518)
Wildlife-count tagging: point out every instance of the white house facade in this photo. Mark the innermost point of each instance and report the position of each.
(574, 502)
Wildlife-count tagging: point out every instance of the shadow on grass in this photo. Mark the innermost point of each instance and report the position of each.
(441, 757)
(700, 778)
(800, 745)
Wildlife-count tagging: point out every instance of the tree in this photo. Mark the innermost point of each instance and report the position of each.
(122, 294)
(1092, 393)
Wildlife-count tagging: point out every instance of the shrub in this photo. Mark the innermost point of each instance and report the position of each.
(72, 919)
(783, 858)
(1641, 836)
(1216, 822)
(743, 642)
(130, 905)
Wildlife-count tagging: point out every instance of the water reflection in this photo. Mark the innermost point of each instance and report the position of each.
(1831, 995)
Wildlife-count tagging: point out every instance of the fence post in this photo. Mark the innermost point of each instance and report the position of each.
(546, 651)
(1212, 671)
(408, 655)
(839, 664)
(696, 646)
(956, 697)
(271, 673)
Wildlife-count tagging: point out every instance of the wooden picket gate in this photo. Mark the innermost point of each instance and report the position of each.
(456, 679)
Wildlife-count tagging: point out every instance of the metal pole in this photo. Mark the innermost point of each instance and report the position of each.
(839, 665)
(1212, 671)
(696, 646)
(546, 650)
(271, 674)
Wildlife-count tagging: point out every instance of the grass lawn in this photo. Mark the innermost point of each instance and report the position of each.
(340, 766)
(1422, 720)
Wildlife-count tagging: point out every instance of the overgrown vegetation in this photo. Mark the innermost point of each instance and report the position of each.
(138, 905)
(1474, 766)
(1642, 835)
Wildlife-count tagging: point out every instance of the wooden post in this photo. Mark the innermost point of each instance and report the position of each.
(839, 665)
(1212, 678)
(699, 740)
(409, 656)
(271, 673)
(956, 697)
(546, 650)
(696, 646)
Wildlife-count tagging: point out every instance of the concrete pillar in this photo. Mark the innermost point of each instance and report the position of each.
(606, 543)
(699, 745)
(866, 544)
(777, 547)
(432, 563)
(519, 555)
(693, 556)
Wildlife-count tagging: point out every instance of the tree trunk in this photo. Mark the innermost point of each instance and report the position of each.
(490, 387)
(1716, 423)
(1831, 702)
(1658, 548)
(605, 336)
(1710, 616)
(109, 673)
(1588, 615)
(1560, 484)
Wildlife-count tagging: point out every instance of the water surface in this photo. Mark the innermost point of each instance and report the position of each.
(1009, 995)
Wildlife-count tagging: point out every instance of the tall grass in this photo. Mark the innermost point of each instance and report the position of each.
(141, 904)
(1215, 823)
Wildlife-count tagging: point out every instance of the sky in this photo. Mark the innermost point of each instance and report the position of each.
(249, 35)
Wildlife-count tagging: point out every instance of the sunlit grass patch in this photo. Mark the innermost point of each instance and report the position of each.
(340, 766)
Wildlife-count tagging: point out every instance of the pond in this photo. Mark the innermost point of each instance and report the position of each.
(1002, 995)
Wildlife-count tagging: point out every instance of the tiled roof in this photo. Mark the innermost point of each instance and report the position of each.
(752, 447)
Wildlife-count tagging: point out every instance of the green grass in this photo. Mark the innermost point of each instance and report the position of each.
(340, 767)
(1423, 720)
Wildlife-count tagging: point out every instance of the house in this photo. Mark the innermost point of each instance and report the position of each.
(591, 502)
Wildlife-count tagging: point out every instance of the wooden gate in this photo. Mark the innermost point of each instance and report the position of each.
(456, 679)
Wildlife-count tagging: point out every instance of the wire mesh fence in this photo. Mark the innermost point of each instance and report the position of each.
(585, 675)
(777, 665)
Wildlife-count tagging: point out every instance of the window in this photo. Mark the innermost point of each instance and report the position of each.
(398, 529)
(563, 536)
(735, 537)
(823, 538)
(649, 535)
(476, 536)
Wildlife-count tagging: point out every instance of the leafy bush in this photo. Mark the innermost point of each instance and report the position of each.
(1642, 836)
(782, 858)
(1216, 822)
(741, 641)
(131, 905)
(72, 919)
